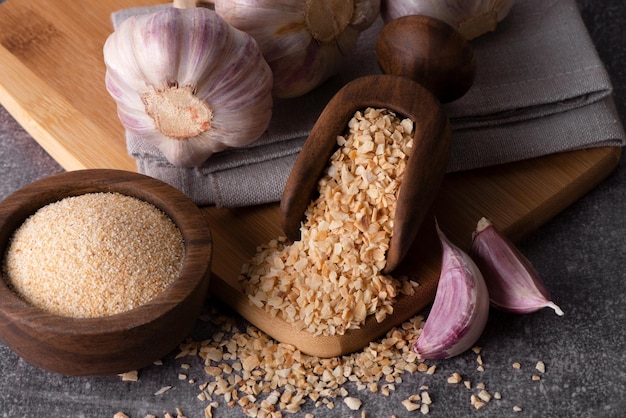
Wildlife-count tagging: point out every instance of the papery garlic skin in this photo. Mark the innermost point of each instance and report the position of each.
(514, 284)
(304, 41)
(461, 307)
(187, 82)
(471, 18)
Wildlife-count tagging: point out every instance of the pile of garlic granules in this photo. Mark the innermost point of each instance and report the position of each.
(330, 280)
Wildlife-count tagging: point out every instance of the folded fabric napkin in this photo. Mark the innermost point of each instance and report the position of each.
(540, 88)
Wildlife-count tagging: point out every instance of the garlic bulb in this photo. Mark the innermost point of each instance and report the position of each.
(304, 41)
(471, 18)
(460, 309)
(514, 284)
(189, 83)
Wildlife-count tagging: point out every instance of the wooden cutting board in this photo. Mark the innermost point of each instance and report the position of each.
(52, 82)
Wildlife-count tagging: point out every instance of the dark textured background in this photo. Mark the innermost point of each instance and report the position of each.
(580, 254)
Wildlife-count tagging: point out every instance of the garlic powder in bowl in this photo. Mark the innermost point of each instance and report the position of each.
(103, 271)
(93, 255)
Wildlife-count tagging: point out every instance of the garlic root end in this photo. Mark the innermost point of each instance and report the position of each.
(178, 113)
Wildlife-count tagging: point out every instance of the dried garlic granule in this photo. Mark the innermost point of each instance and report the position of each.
(330, 280)
(93, 255)
(265, 376)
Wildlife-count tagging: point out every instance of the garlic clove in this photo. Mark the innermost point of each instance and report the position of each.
(514, 284)
(461, 307)
(188, 83)
(471, 18)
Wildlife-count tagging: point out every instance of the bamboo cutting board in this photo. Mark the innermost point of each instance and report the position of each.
(52, 82)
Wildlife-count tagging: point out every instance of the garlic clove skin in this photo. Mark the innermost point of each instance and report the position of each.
(471, 18)
(461, 307)
(514, 284)
(304, 41)
(365, 13)
(187, 82)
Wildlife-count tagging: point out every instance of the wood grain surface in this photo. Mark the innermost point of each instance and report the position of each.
(52, 82)
(52, 79)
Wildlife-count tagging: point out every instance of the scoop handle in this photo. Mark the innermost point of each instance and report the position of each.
(430, 52)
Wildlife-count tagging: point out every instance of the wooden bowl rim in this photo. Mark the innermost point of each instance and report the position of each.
(183, 212)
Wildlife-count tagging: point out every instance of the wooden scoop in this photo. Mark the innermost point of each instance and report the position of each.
(428, 61)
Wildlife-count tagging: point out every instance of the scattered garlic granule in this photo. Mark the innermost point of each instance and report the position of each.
(162, 390)
(272, 380)
(208, 411)
(130, 376)
(410, 405)
(484, 395)
(330, 280)
(476, 402)
(541, 366)
(271, 383)
(352, 403)
(454, 378)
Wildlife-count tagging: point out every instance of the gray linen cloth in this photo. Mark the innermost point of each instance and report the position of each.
(540, 89)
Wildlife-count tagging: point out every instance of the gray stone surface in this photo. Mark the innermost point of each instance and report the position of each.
(580, 254)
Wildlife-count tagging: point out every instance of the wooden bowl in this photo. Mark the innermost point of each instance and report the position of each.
(121, 342)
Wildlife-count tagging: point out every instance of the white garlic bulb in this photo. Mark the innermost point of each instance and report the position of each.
(304, 41)
(188, 82)
(471, 18)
